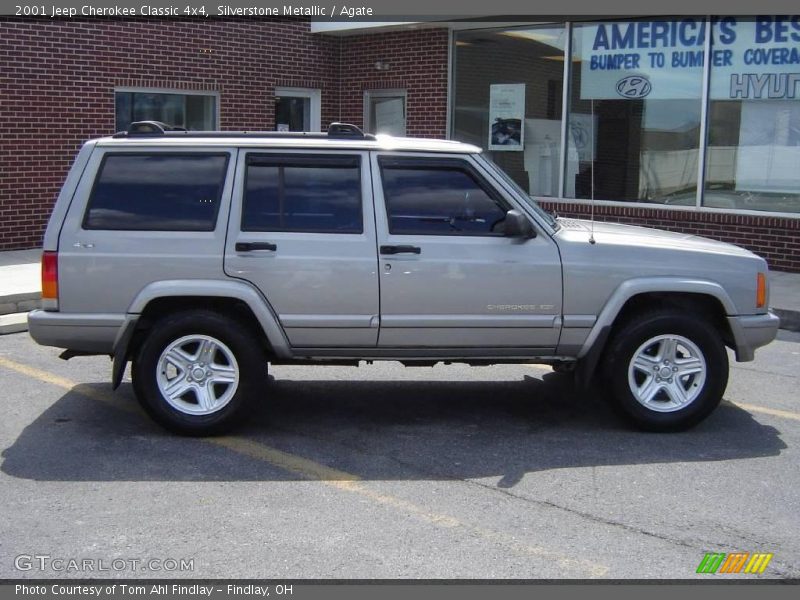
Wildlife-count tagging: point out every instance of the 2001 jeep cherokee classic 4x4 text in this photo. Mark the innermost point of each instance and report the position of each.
(201, 257)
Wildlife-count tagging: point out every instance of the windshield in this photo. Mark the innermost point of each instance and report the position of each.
(548, 218)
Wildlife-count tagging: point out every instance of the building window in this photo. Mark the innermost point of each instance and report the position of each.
(634, 111)
(157, 192)
(297, 109)
(508, 98)
(385, 112)
(192, 111)
(753, 158)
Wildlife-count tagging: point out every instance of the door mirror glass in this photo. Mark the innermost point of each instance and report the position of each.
(518, 225)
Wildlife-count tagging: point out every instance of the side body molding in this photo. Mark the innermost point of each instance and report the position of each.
(632, 287)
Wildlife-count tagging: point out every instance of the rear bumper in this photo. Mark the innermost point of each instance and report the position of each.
(82, 332)
(751, 332)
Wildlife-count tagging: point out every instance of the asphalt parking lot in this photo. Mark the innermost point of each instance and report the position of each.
(383, 471)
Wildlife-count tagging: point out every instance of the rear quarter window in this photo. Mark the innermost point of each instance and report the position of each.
(157, 192)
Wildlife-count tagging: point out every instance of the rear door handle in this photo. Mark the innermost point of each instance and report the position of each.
(248, 246)
(400, 250)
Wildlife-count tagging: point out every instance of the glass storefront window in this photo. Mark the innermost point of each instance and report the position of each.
(753, 158)
(635, 106)
(634, 112)
(195, 112)
(508, 96)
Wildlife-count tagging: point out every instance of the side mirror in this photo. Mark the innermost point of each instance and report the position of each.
(518, 225)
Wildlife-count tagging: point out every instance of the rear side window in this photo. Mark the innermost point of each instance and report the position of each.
(314, 194)
(439, 197)
(157, 192)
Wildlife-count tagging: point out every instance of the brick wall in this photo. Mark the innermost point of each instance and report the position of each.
(417, 63)
(58, 77)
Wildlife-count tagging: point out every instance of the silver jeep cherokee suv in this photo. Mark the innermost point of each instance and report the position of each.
(203, 256)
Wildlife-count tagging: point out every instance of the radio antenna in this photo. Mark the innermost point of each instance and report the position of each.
(594, 158)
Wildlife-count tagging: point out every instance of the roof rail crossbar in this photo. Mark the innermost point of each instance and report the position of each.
(349, 131)
(151, 128)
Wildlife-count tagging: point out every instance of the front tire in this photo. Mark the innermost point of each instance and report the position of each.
(667, 371)
(197, 372)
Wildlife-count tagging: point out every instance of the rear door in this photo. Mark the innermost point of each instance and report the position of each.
(449, 275)
(302, 230)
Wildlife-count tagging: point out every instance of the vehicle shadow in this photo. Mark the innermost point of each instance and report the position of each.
(372, 429)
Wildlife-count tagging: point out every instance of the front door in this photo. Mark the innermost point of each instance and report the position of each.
(449, 276)
(302, 230)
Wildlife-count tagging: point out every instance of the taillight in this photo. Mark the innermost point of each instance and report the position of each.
(761, 290)
(50, 280)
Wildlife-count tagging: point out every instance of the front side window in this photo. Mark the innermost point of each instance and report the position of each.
(439, 197)
(157, 192)
(195, 112)
(314, 194)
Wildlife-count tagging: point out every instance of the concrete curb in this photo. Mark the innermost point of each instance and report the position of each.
(13, 323)
(20, 303)
(14, 310)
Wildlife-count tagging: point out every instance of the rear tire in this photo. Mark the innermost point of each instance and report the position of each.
(198, 372)
(666, 370)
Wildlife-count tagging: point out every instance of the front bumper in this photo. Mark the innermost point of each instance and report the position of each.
(751, 332)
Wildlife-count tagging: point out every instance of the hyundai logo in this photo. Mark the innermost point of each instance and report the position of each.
(634, 86)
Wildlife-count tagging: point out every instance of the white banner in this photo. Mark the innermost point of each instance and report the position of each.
(750, 59)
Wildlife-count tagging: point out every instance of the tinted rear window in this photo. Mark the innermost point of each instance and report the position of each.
(303, 193)
(157, 192)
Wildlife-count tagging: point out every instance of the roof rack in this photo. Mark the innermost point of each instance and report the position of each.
(346, 130)
(151, 127)
(338, 131)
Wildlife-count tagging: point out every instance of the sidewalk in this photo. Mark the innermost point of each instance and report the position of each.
(20, 288)
(785, 298)
(20, 291)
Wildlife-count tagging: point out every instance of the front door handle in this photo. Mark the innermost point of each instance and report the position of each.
(248, 246)
(400, 250)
